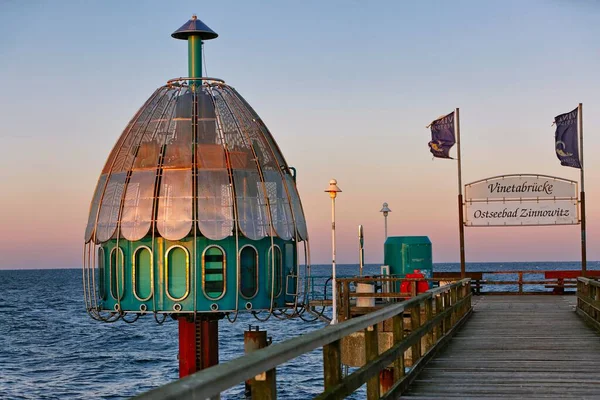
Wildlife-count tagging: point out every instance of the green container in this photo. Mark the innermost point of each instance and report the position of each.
(406, 254)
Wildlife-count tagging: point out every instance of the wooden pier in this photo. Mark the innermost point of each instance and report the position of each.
(516, 347)
(442, 347)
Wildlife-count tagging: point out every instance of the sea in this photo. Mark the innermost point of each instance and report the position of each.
(51, 349)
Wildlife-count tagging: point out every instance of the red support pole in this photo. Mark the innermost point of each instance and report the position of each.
(187, 347)
(198, 345)
(209, 343)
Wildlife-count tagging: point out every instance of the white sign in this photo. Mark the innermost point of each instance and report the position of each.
(520, 213)
(533, 187)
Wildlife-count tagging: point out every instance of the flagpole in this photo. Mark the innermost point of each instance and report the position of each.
(582, 195)
(461, 226)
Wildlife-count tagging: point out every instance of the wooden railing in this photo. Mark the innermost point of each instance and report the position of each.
(588, 301)
(523, 282)
(420, 325)
(385, 290)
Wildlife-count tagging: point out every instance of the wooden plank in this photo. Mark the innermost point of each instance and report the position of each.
(517, 347)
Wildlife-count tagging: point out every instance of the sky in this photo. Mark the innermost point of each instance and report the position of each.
(347, 89)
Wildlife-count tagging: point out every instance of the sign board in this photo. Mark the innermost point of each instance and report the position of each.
(521, 200)
(521, 187)
(519, 213)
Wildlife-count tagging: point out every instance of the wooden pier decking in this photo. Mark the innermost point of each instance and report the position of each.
(516, 347)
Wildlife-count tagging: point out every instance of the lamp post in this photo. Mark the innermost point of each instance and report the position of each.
(333, 190)
(385, 210)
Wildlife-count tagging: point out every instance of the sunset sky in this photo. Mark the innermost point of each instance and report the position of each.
(346, 87)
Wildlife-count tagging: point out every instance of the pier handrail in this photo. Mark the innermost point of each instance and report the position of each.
(212, 381)
(588, 301)
(557, 280)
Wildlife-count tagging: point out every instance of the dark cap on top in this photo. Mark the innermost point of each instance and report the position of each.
(194, 27)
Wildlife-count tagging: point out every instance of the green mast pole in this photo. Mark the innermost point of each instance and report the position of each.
(194, 56)
(195, 32)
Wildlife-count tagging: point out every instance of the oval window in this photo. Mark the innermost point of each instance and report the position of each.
(248, 271)
(117, 273)
(274, 265)
(142, 274)
(213, 268)
(101, 274)
(177, 273)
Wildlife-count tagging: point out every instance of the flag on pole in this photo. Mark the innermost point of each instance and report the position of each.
(442, 136)
(566, 144)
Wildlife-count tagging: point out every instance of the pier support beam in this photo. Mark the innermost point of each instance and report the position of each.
(198, 344)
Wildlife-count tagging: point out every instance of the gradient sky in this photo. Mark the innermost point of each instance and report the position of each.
(346, 87)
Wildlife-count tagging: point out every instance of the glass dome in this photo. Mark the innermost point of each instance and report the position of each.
(195, 157)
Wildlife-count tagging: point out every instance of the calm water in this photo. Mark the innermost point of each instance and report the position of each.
(51, 349)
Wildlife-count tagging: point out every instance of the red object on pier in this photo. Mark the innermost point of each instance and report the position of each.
(422, 285)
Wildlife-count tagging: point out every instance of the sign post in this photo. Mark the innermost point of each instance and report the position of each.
(461, 225)
(445, 132)
(569, 151)
(582, 194)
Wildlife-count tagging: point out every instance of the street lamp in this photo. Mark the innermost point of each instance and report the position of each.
(385, 210)
(333, 190)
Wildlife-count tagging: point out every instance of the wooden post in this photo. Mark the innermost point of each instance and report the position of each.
(371, 353)
(520, 282)
(452, 304)
(586, 293)
(346, 302)
(469, 302)
(448, 319)
(561, 286)
(428, 338)
(332, 364)
(415, 319)
(579, 286)
(398, 335)
(386, 380)
(438, 309)
(262, 386)
(461, 295)
(593, 298)
(596, 313)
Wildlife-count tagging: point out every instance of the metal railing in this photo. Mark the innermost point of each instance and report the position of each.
(433, 317)
(588, 301)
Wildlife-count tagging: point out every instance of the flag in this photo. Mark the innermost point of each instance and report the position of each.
(442, 136)
(566, 143)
